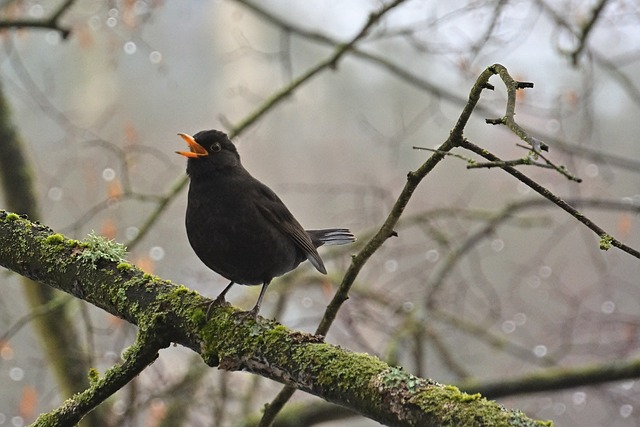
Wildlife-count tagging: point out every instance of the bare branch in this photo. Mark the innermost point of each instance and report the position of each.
(606, 240)
(50, 23)
(586, 30)
(557, 379)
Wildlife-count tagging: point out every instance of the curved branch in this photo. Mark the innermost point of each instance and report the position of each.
(413, 180)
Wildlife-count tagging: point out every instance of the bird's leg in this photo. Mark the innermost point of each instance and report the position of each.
(220, 300)
(254, 311)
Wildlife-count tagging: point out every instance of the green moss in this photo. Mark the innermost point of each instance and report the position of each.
(182, 290)
(124, 266)
(198, 316)
(47, 419)
(605, 242)
(465, 397)
(330, 369)
(457, 408)
(118, 295)
(72, 243)
(121, 295)
(397, 377)
(12, 217)
(55, 239)
(94, 376)
(132, 349)
(394, 376)
(98, 248)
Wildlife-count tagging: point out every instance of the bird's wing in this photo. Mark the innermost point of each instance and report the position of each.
(277, 213)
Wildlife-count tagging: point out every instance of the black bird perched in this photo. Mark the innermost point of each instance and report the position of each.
(237, 225)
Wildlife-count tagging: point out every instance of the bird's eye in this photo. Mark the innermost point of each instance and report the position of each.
(215, 147)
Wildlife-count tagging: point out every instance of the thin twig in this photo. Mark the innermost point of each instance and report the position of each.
(548, 163)
(526, 161)
(330, 62)
(606, 240)
(586, 30)
(51, 23)
(469, 160)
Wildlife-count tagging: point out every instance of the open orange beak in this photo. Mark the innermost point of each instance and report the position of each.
(196, 149)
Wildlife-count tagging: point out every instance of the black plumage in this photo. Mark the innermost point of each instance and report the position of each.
(237, 225)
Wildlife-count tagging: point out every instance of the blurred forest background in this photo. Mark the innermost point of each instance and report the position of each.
(486, 280)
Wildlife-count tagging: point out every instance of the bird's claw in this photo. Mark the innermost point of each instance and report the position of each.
(244, 315)
(218, 302)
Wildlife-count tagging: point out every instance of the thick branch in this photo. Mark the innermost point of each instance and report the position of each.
(358, 381)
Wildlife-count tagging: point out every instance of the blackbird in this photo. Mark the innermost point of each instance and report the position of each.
(238, 226)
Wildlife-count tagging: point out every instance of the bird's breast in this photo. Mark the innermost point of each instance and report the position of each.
(231, 236)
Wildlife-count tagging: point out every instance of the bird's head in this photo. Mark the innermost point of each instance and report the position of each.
(209, 150)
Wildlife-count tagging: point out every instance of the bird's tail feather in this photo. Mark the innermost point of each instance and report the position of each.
(331, 236)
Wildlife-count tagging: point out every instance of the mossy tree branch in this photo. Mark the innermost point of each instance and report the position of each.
(140, 355)
(167, 312)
